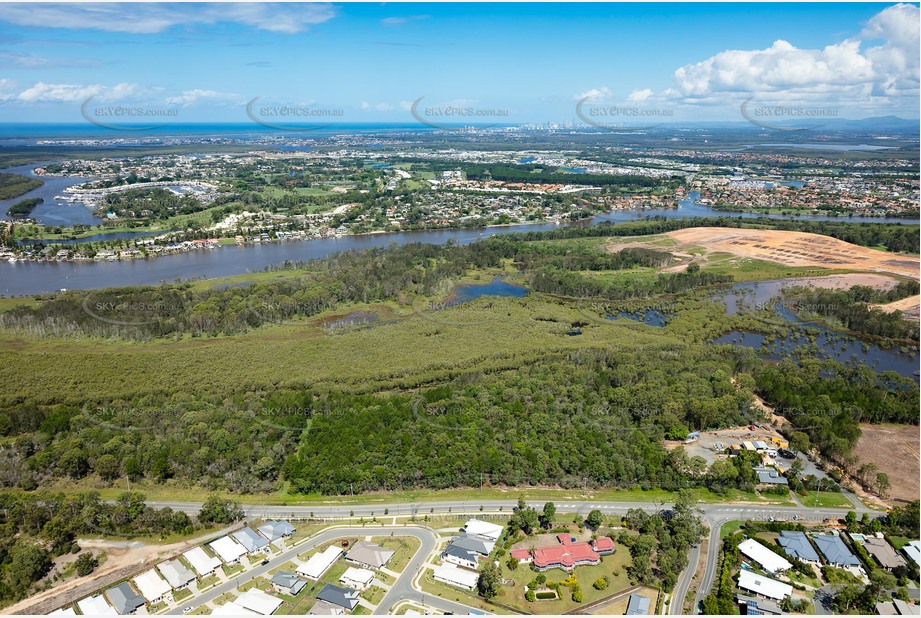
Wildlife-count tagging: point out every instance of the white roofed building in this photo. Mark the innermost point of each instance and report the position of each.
(151, 586)
(455, 576)
(258, 601)
(770, 561)
(357, 578)
(232, 609)
(201, 561)
(319, 563)
(764, 586)
(484, 529)
(228, 550)
(96, 606)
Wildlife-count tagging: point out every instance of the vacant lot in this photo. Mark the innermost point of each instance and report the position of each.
(796, 249)
(894, 450)
(908, 306)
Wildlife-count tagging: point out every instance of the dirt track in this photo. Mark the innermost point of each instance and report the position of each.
(796, 249)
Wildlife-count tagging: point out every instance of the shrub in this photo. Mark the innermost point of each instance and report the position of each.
(529, 596)
(600, 583)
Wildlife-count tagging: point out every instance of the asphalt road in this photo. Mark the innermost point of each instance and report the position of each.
(714, 514)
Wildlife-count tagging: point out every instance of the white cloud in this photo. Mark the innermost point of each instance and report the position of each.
(638, 96)
(190, 97)
(849, 73)
(7, 89)
(42, 92)
(594, 95)
(399, 21)
(406, 105)
(148, 18)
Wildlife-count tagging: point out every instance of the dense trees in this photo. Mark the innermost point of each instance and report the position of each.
(14, 185)
(660, 551)
(23, 208)
(850, 309)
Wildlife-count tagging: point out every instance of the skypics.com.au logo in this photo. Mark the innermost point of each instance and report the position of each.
(621, 117)
(456, 116)
(781, 117)
(293, 118)
(127, 117)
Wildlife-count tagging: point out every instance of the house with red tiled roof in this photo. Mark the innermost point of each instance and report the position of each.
(567, 555)
(603, 545)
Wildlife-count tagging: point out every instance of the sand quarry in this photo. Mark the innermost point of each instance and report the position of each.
(797, 249)
(804, 249)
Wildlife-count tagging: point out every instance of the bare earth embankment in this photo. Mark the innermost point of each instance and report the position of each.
(895, 450)
(796, 249)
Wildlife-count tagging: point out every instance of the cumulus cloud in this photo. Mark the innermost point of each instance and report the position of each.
(878, 67)
(148, 18)
(638, 96)
(595, 94)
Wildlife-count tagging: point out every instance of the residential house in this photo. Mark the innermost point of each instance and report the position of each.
(124, 599)
(345, 598)
(325, 608)
(603, 545)
(638, 605)
(152, 587)
(764, 586)
(255, 600)
(835, 551)
(203, 564)
(357, 578)
(276, 531)
(370, 555)
(567, 555)
(770, 476)
(484, 529)
(883, 553)
(319, 563)
(228, 550)
(96, 606)
(248, 538)
(767, 559)
(913, 551)
(284, 582)
(474, 544)
(460, 556)
(176, 574)
(797, 545)
(453, 576)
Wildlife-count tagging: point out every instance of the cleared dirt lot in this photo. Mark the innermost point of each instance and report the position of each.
(895, 450)
(908, 306)
(796, 249)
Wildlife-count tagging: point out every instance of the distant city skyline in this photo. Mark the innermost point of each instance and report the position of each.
(458, 63)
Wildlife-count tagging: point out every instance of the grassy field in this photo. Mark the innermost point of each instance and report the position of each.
(730, 528)
(826, 500)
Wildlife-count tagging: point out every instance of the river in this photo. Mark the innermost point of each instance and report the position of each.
(25, 278)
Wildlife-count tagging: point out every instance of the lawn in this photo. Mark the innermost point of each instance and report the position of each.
(373, 594)
(730, 528)
(404, 546)
(826, 500)
(438, 589)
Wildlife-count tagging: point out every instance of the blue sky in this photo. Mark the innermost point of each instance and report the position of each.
(535, 62)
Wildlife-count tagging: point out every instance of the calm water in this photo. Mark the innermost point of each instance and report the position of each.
(830, 344)
(496, 287)
(650, 317)
(51, 211)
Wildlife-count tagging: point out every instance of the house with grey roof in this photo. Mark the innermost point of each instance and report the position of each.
(475, 544)
(287, 583)
(883, 553)
(367, 554)
(638, 605)
(797, 545)
(124, 599)
(770, 476)
(275, 530)
(345, 598)
(835, 551)
(250, 540)
(460, 556)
